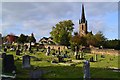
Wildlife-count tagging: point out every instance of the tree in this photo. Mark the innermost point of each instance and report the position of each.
(90, 39)
(62, 32)
(32, 38)
(99, 39)
(22, 39)
(77, 40)
(112, 44)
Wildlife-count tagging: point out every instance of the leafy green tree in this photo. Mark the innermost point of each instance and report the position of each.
(22, 39)
(62, 32)
(77, 40)
(112, 44)
(99, 39)
(90, 39)
(32, 38)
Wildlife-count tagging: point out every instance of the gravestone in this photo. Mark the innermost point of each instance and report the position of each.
(53, 54)
(18, 47)
(91, 59)
(21, 50)
(65, 55)
(60, 59)
(31, 51)
(77, 57)
(76, 51)
(59, 53)
(54, 61)
(48, 51)
(26, 61)
(17, 52)
(86, 71)
(26, 47)
(3, 55)
(96, 57)
(5, 49)
(8, 64)
(81, 55)
(12, 49)
(102, 56)
(37, 48)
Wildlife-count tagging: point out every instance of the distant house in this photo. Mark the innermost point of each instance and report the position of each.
(45, 40)
(11, 39)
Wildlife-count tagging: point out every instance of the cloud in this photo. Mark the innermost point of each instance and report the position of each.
(60, 1)
(39, 17)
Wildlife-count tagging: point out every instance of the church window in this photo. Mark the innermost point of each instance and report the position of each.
(82, 27)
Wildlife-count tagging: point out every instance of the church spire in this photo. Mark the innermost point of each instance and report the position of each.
(83, 15)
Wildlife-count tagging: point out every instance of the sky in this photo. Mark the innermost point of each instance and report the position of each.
(40, 17)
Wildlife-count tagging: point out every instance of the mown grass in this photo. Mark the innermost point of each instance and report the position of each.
(97, 69)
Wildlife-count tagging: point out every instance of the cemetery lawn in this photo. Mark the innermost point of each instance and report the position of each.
(40, 61)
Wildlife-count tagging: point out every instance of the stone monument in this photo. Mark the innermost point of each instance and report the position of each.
(86, 67)
(26, 61)
(8, 64)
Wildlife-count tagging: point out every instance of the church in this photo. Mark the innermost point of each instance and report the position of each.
(83, 24)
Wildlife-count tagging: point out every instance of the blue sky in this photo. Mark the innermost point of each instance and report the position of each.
(39, 17)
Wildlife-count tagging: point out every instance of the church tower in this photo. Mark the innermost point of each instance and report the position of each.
(82, 23)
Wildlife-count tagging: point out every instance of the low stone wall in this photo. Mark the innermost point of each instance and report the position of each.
(105, 51)
(54, 47)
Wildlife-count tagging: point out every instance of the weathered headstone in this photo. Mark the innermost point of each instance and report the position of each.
(91, 59)
(77, 57)
(26, 61)
(21, 50)
(3, 55)
(96, 57)
(8, 64)
(81, 56)
(60, 59)
(5, 49)
(54, 61)
(102, 56)
(17, 52)
(59, 53)
(65, 55)
(26, 47)
(37, 48)
(86, 71)
(18, 47)
(48, 51)
(76, 51)
(53, 54)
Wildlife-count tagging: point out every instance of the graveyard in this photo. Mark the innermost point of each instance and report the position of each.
(58, 50)
(39, 64)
